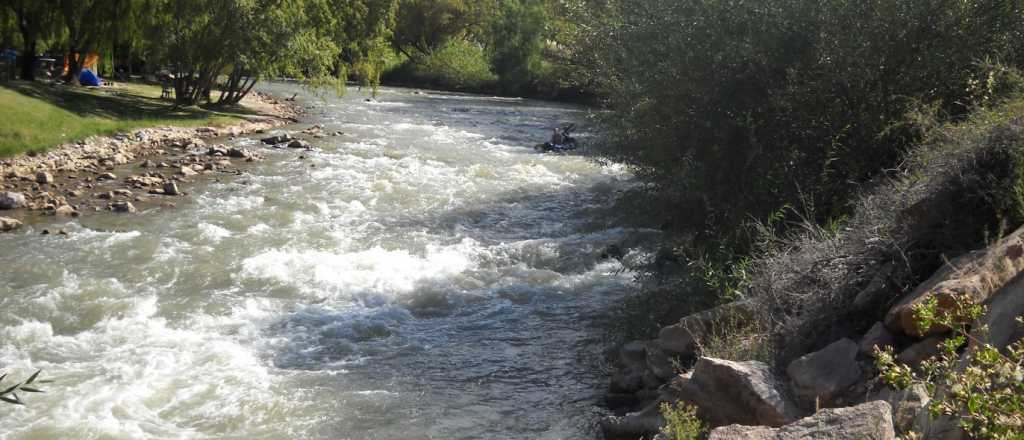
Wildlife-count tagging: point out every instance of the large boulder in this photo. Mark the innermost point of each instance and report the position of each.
(818, 377)
(727, 392)
(1001, 318)
(977, 275)
(870, 421)
(681, 339)
(12, 200)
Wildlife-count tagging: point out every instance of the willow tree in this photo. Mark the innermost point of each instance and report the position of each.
(88, 23)
(239, 41)
(423, 26)
(34, 20)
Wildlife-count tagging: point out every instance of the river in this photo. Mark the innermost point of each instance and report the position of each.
(427, 275)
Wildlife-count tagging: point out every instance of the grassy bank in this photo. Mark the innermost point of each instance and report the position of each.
(37, 116)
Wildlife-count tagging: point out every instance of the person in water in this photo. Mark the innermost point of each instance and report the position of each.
(557, 138)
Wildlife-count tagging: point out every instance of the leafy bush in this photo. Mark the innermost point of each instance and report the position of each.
(740, 107)
(983, 389)
(681, 422)
(458, 65)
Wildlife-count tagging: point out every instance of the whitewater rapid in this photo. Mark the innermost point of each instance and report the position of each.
(426, 275)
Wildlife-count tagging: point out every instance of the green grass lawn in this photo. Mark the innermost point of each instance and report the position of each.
(37, 116)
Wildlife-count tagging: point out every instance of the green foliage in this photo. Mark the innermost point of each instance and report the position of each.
(983, 388)
(517, 41)
(10, 394)
(458, 65)
(242, 39)
(681, 422)
(740, 107)
(425, 26)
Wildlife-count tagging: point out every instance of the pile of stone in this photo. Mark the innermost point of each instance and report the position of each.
(832, 393)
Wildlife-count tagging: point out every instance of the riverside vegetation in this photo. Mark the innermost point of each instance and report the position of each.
(832, 173)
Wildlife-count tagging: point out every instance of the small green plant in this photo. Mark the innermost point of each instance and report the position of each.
(984, 390)
(10, 394)
(681, 422)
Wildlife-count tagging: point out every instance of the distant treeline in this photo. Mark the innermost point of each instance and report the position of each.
(494, 46)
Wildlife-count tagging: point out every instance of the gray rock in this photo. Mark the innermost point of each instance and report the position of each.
(217, 150)
(9, 224)
(44, 177)
(106, 176)
(820, 376)
(277, 140)
(869, 421)
(239, 153)
(1001, 318)
(171, 189)
(122, 207)
(633, 425)
(65, 211)
(681, 339)
(879, 336)
(12, 200)
(906, 405)
(659, 363)
(921, 351)
(727, 392)
(299, 144)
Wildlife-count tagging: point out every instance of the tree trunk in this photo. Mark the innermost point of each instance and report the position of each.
(75, 60)
(28, 60)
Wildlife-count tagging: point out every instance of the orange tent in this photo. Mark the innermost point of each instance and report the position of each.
(92, 62)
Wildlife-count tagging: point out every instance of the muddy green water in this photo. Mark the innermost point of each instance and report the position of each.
(430, 278)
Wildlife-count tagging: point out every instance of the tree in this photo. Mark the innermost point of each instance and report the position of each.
(517, 36)
(35, 19)
(241, 41)
(423, 26)
(87, 22)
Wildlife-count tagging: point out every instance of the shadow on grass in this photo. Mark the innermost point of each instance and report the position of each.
(121, 104)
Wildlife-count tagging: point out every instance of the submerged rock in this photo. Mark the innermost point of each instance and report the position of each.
(8, 224)
(170, 189)
(277, 140)
(123, 207)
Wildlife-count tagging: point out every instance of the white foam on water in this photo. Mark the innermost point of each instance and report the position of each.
(385, 272)
(213, 233)
(136, 376)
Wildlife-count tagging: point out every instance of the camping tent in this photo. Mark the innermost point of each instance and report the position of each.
(88, 78)
(91, 62)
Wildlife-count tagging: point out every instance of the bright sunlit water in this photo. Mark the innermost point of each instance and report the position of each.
(425, 276)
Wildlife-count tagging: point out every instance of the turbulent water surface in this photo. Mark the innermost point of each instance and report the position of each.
(425, 276)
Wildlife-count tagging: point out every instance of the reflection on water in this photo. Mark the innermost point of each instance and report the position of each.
(426, 275)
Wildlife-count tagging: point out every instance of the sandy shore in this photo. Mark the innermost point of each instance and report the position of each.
(120, 172)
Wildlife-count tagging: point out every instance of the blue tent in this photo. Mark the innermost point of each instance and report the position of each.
(88, 78)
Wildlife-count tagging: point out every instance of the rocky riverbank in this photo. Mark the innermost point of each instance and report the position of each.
(128, 171)
(752, 400)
